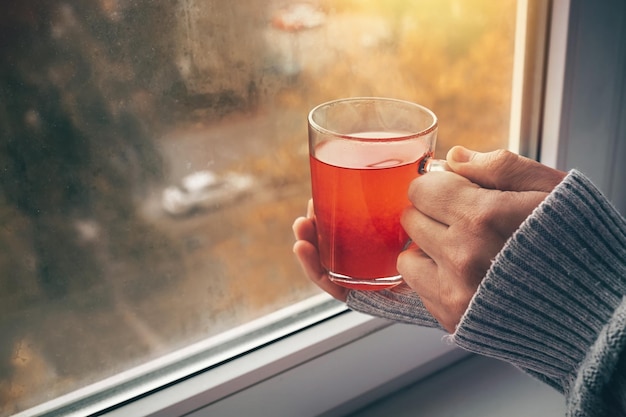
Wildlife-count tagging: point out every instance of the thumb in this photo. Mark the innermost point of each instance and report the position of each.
(503, 170)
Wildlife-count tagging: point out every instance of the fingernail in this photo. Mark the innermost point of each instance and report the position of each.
(460, 154)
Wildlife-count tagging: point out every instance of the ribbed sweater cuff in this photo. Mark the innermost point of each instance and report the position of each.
(557, 282)
(400, 304)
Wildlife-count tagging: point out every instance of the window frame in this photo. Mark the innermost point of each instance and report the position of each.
(334, 343)
(267, 353)
(243, 385)
(585, 109)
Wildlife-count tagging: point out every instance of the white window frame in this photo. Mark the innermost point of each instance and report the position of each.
(333, 361)
(585, 108)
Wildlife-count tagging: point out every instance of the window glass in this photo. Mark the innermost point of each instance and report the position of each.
(153, 156)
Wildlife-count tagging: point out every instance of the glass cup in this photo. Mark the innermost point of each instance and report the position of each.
(364, 152)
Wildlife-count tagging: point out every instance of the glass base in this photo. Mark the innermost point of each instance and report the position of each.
(373, 284)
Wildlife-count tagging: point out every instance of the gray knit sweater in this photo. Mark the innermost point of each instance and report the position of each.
(553, 302)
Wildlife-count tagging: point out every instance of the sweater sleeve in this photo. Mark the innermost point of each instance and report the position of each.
(554, 300)
(399, 304)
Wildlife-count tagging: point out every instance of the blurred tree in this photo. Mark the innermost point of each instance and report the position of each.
(77, 121)
(73, 145)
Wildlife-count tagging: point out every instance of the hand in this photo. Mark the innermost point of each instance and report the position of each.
(306, 251)
(460, 220)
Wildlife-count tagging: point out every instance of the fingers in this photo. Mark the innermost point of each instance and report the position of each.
(304, 229)
(418, 270)
(460, 220)
(450, 214)
(307, 255)
(426, 233)
(444, 196)
(306, 252)
(421, 274)
(459, 228)
(503, 170)
(447, 197)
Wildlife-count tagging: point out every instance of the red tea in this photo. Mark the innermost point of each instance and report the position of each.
(359, 192)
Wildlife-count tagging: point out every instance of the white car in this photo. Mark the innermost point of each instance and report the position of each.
(204, 190)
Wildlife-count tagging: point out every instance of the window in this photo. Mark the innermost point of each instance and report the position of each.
(154, 157)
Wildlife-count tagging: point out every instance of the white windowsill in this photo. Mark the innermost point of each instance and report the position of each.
(298, 349)
(339, 360)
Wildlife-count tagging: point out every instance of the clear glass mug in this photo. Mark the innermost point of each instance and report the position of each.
(364, 152)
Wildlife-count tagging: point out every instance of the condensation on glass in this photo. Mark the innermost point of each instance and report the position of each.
(153, 156)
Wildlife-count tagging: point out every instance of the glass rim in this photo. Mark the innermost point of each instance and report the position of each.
(432, 127)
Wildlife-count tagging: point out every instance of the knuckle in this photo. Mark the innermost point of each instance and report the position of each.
(502, 159)
(470, 260)
(485, 219)
(464, 261)
(483, 216)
